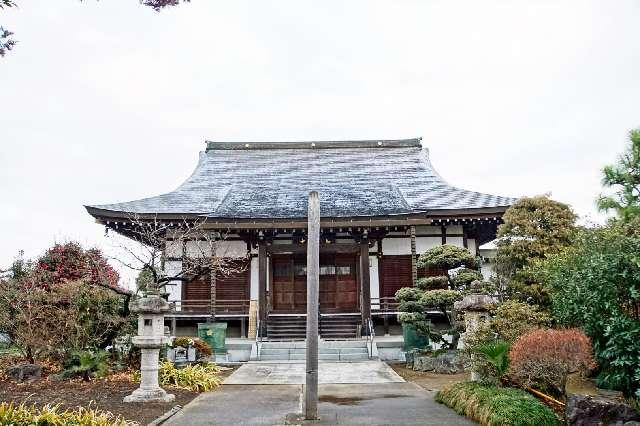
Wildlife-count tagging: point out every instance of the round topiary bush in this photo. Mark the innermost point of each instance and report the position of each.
(433, 283)
(441, 299)
(447, 257)
(407, 294)
(464, 277)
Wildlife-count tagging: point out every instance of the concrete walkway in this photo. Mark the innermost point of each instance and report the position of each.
(367, 372)
(350, 404)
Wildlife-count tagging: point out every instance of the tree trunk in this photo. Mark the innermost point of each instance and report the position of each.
(213, 296)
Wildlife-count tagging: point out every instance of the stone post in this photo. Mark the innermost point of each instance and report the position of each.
(476, 309)
(150, 340)
(313, 282)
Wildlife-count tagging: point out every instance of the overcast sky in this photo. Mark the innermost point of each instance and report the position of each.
(109, 101)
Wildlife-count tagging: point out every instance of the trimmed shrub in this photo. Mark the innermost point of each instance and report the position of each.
(513, 319)
(433, 283)
(494, 406)
(481, 287)
(464, 277)
(11, 414)
(447, 257)
(406, 294)
(545, 358)
(196, 378)
(410, 317)
(441, 299)
(411, 306)
(200, 345)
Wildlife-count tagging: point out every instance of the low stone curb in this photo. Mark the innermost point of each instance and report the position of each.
(166, 416)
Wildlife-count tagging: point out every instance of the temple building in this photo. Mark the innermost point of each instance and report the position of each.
(382, 204)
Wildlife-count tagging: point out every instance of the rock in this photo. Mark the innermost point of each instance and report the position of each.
(583, 410)
(445, 363)
(24, 372)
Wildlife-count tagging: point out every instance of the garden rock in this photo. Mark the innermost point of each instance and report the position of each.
(446, 363)
(599, 410)
(24, 372)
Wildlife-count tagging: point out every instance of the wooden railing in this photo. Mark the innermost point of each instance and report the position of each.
(222, 307)
(241, 307)
(384, 305)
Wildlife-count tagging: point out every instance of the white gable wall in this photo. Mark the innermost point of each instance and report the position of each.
(172, 268)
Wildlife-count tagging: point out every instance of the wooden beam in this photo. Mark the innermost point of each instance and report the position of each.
(365, 282)
(324, 248)
(262, 282)
(213, 293)
(341, 223)
(414, 264)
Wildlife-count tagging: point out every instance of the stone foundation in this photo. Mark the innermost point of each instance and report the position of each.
(446, 363)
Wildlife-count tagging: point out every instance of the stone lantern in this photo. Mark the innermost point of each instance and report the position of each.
(476, 309)
(150, 340)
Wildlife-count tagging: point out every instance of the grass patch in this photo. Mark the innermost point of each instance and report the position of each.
(494, 406)
(22, 415)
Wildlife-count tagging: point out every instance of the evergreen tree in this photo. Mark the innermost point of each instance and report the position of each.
(534, 228)
(625, 178)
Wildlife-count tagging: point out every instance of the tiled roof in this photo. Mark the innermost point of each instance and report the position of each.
(272, 180)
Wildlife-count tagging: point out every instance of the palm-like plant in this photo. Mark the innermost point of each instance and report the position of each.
(89, 363)
(497, 354)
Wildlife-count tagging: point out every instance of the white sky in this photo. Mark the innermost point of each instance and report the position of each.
(109, 101)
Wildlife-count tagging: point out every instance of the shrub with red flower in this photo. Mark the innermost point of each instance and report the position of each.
(543, 359)
(70, 262)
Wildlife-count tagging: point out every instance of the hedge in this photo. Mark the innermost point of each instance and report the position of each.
(496, 406)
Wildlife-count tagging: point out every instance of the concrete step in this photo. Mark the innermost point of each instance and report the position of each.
(354, 357)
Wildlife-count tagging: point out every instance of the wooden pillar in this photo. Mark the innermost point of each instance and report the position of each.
(465, 243)
(365, 281)
(313, 286)
(262, 282)
(414, 264)
(443, 230)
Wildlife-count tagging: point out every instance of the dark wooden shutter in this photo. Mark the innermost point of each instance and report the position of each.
(197, 289)
(396, 273)
(234, 287)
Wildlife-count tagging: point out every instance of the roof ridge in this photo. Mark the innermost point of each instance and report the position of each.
(338, 144)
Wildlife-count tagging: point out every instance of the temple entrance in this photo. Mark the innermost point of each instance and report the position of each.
(339, 290)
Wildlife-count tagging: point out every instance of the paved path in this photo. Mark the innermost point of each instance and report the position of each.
(343, 404)
(367, 372)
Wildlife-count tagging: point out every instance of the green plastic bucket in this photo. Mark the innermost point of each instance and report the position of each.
(214, 334)
(413, 340)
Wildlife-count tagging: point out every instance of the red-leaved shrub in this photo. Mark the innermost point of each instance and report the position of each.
(544, 358)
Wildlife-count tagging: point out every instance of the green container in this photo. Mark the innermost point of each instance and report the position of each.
(214, 333)
(413, 340)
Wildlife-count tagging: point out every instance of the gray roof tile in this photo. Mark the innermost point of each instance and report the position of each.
(272, 180)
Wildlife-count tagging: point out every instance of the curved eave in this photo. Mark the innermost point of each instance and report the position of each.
(424, 217)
